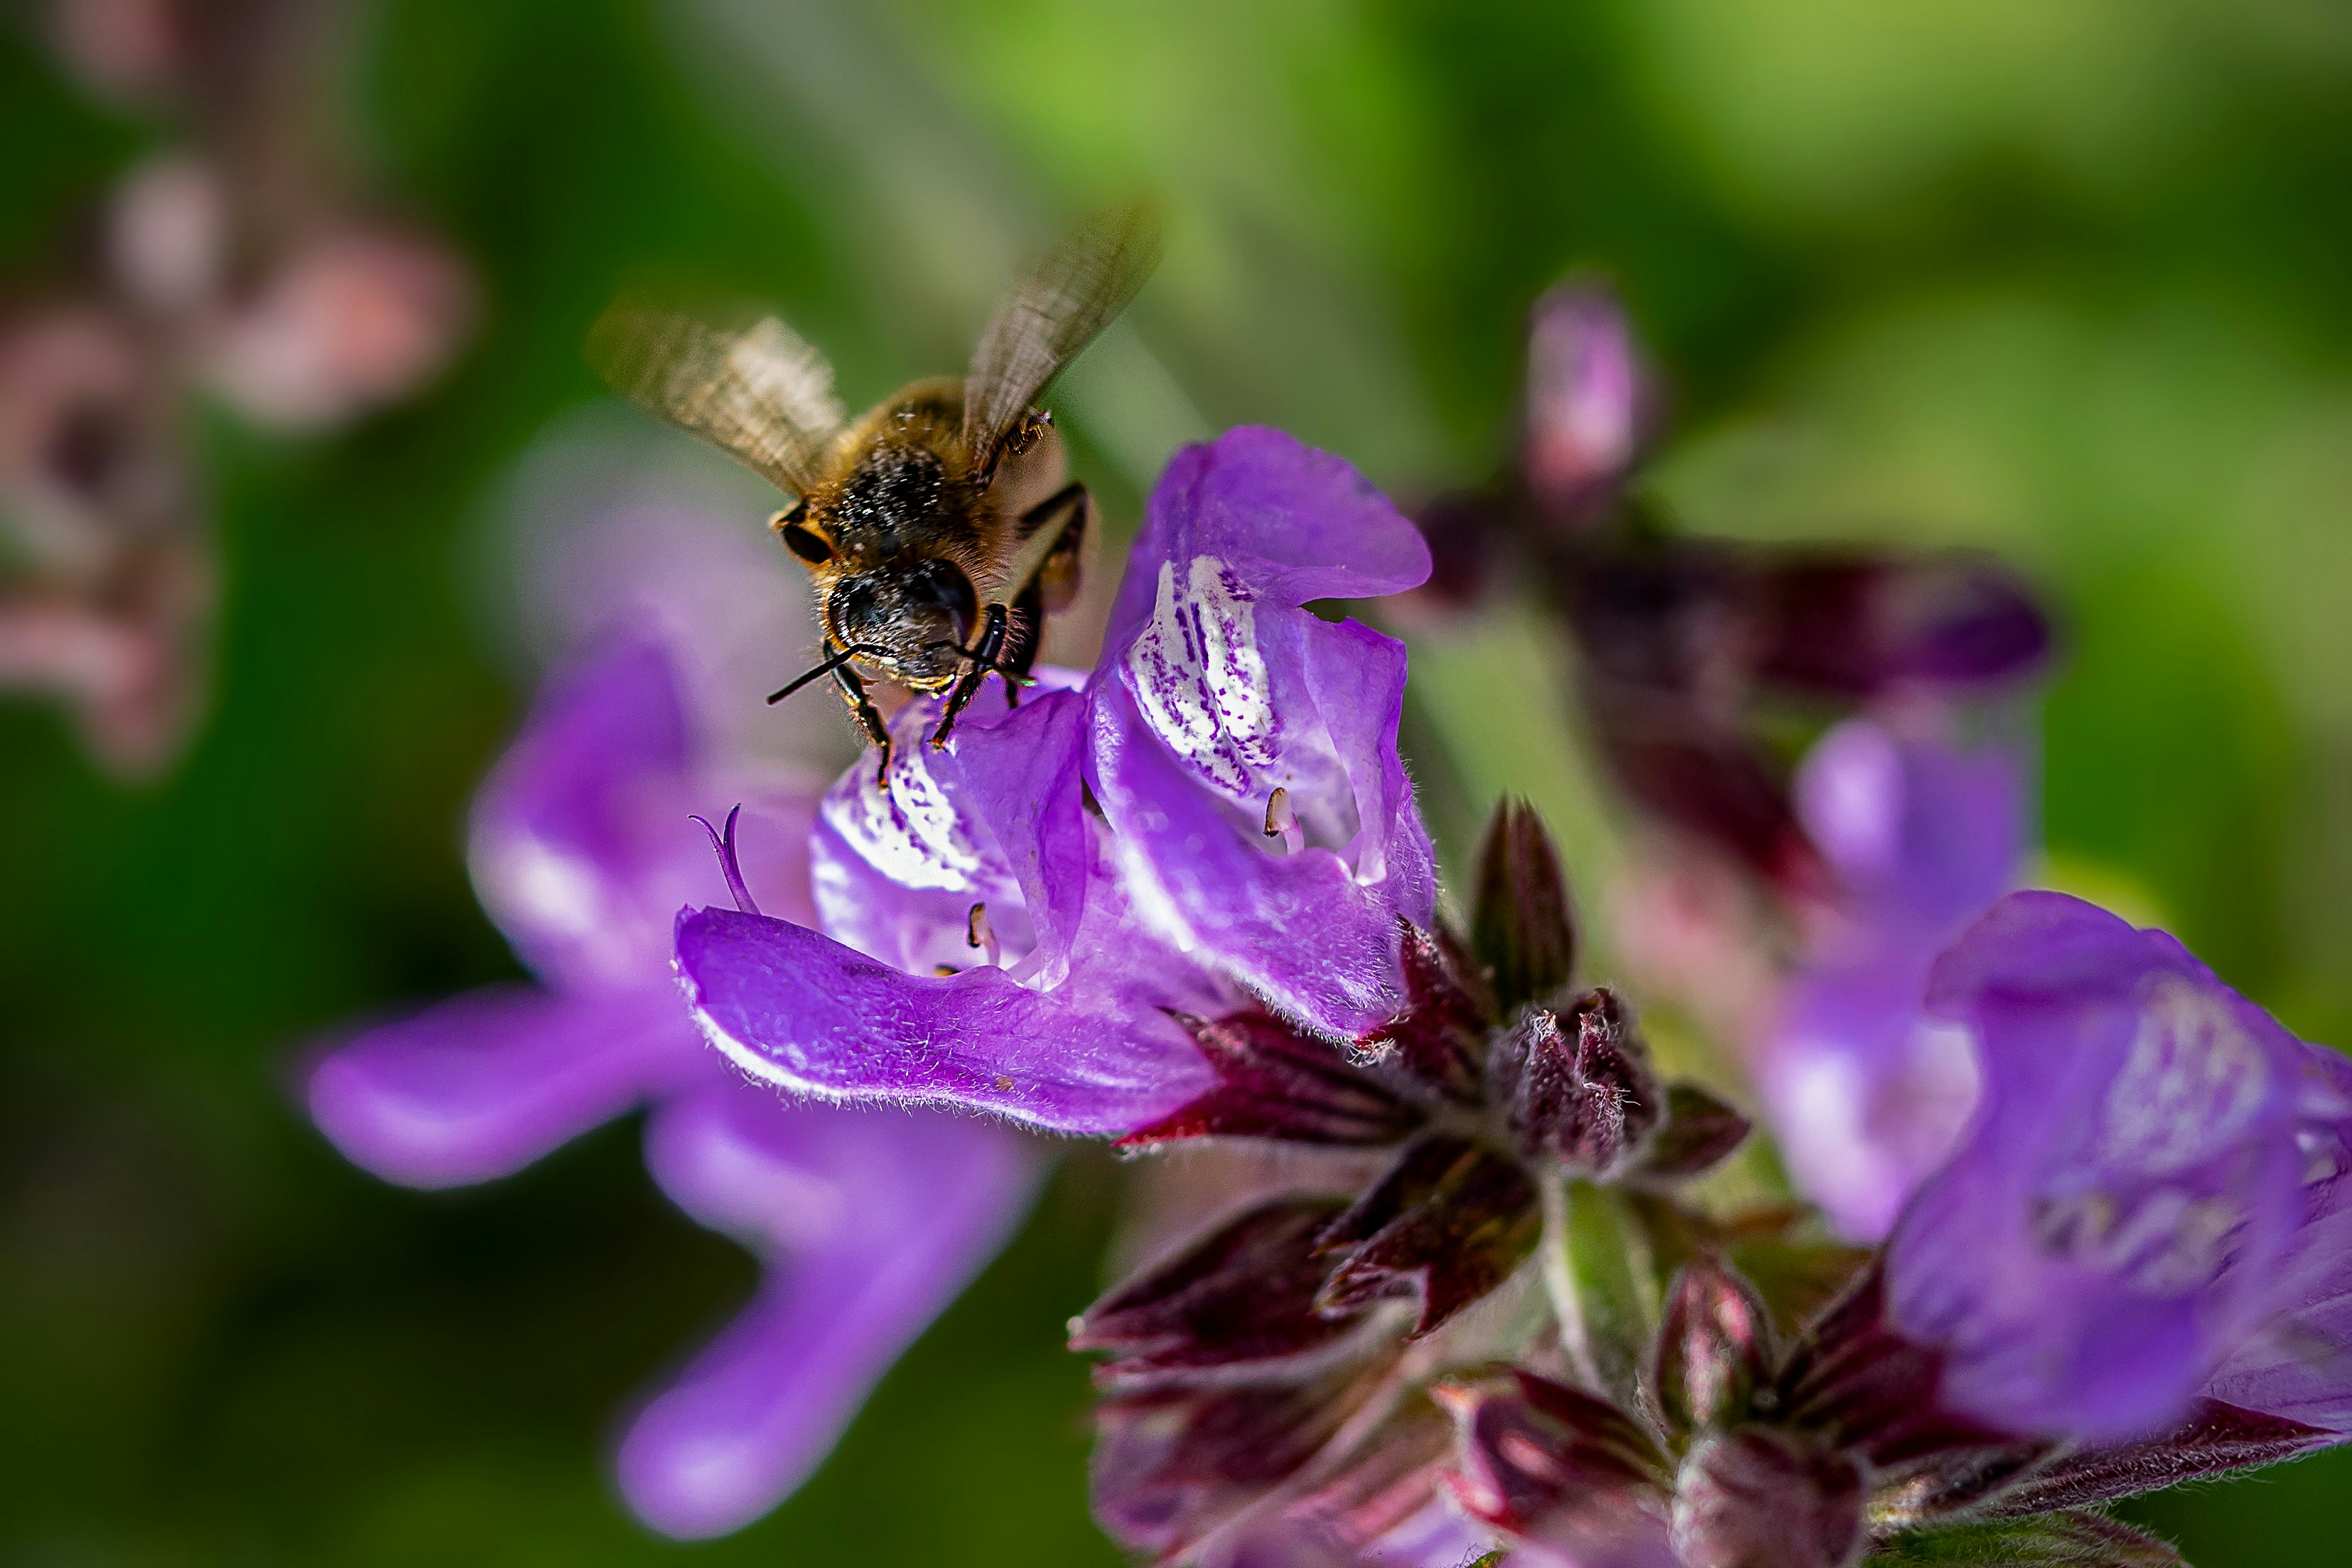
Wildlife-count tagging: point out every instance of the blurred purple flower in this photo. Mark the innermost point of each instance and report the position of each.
(1255, 834)
(1866, 1092)
(2148, 1207)
(1687, 641)
(867, 1222)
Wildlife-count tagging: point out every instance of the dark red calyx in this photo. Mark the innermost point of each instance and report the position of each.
(1870, 1389)
(1173, 1462)
(1701, 774)
(1244, 1294)
(1470, 535)
(1699, 1131)
(1445, 1223)
(1440, 1037)
(1274, 1082)
(1758, 1496)
(1577, 1087)
(1545, 1461)
(2214, 1439)
(1522, 928)
(1714, 1350)
(1390, 1477)
(1852, 624)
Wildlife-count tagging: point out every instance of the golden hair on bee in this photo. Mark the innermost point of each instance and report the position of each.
(935, 529)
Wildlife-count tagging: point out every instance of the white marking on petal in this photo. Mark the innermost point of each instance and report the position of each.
(2194, 1082)
(1199, 678)
(2167, 1244)
(911, 834)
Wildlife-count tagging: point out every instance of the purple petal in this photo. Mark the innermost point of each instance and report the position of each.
(1218, 688)
(995, 819)
(2112, 1227)
(869, 1222)
(483, 1084)
(1923, 834)
(2299, 1362)
(1296, 523)
(581, 846)
(1095, 1055)
(1871, 1094)
(614, 537)
(561, 839)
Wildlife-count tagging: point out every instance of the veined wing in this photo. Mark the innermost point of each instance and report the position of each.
(1057, 309)
(759, 392)
(1054, 533)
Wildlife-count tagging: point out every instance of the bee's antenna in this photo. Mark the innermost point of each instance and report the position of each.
(824, 668)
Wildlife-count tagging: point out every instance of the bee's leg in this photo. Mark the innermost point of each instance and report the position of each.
(1065, 512)
(1022, 638)
(981, 660)
(869, 719)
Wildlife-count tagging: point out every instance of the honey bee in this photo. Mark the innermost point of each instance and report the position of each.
(932, 569)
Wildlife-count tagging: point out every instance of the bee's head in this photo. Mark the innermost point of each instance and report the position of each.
(919, 613)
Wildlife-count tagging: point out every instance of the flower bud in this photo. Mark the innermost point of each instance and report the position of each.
(1714, 1347)
(1547, 1462)
(1756, 1498)
(1522, 926)
(1576, 1088)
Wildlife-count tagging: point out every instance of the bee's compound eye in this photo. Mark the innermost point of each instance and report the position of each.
(801, 540)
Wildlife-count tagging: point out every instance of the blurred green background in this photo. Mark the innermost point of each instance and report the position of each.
(2064, 278)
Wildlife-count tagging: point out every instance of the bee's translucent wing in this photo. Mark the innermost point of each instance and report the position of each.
(1076, 291)
(1049, 538)
(759, 392)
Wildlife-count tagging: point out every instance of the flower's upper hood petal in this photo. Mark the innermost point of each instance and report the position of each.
(2111, 1228)
(1218, 687)
(1922, 832)
(869, 1223)
(1296, 524)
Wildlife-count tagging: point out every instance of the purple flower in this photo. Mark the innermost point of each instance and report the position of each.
(1068, 1030)
(1868, 1092)
(997, 944)
(867, 1222)
(1243, 748)
(2146, 1206)
(1687, 642)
